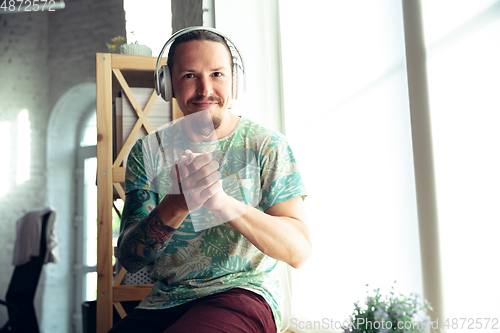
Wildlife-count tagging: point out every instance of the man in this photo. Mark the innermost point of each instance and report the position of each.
(210, 166)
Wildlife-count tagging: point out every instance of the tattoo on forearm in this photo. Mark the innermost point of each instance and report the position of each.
(143, 236)
(156, 230)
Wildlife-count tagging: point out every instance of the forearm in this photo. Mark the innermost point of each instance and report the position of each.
(146, 228)
(173, 210)
(143, 241)
(281, 237)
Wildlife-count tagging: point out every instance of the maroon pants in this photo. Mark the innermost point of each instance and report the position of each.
(232, 311)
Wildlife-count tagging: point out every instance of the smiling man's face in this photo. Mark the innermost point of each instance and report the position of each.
(201, 79)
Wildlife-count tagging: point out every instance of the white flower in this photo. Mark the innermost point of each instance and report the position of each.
(380, 315)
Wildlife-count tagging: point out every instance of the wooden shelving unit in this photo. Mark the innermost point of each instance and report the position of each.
(114, 73)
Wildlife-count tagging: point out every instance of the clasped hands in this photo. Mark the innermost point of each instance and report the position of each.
(199, 180)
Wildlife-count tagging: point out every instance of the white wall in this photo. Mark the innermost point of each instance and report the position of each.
(24, 53)
(42, 56)
(253, 27)
(65, 121)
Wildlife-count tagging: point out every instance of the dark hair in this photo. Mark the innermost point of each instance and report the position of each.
(200, 35)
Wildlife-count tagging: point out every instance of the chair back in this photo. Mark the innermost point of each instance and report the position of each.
(22, 288)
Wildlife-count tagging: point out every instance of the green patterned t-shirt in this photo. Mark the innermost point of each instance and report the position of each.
(206, 255)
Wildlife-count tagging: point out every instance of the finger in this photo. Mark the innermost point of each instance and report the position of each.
(190, 158)
(199, 162)
(211, 190)
(183, 168)
(184, 160)
(183, 156)
(209, 180)
(203, 172)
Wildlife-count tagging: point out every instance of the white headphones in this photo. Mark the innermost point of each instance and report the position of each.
(163, 84)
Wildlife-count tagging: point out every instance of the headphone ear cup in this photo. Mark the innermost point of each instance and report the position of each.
(165, 84)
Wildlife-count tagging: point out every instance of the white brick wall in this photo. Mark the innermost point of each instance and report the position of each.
(43, 56)
(23, 85)
(47, 66)
(76, 34)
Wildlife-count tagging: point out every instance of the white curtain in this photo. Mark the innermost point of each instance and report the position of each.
(347, 117)
(346, 113)
(463, 65)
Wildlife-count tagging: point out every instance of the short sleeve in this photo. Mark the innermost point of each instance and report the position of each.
(135, 175)
(280, 176)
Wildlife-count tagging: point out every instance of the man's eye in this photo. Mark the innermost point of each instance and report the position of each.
(218, 74)
(188, 76)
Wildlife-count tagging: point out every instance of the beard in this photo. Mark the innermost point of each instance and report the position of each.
(206, 126)
(203, 123)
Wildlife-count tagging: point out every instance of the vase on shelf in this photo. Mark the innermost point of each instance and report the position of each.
(135, 49)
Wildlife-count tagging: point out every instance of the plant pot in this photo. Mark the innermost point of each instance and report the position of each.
(135, 49)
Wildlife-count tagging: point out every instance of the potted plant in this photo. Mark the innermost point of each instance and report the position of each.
(119, 45)
(395, 313)
(116, 42)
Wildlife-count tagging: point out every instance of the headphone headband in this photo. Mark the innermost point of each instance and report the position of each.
(186, 31)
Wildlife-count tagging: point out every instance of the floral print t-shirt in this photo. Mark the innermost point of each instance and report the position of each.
(206, 255)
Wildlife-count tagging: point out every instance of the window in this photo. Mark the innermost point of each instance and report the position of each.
(148, 23)
(351, 131)
(86, 219)
(347, 117)
(86, 244)
(464, 80)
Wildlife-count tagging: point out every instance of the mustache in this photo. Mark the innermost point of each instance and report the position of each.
(203, 99)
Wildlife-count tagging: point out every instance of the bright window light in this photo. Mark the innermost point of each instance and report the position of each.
(6, 154)
(447, 17)
(91, 287)
(89, 137)
(23, 147)
(464, 84)
(148, 22)
(348, 121)
(90, 210)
